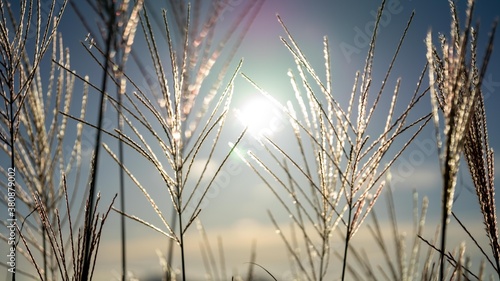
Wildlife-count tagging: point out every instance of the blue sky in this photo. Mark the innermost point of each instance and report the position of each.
(238, 210)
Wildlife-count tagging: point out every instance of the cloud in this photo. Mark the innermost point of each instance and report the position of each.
(423, 177)
(237, 242)
(238, 237)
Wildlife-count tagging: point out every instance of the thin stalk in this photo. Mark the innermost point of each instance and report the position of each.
(122, 188)
(444, 219)
(346, 245)
(44, 249)
(97, 146)
(322, 264)
(170, 249)
(179, 214)
(12, 158)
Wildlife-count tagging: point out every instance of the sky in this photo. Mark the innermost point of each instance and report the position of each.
(237, 210)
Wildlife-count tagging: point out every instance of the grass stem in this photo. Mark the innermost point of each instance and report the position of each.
(97, 145)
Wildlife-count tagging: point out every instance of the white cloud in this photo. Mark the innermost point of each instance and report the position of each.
(423, 177)
(238, 237)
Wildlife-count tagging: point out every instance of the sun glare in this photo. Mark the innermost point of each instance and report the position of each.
(260, 116)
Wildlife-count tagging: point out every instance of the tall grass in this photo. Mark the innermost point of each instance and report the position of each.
(44, 156)
(397, 264)
(72, 259)
(178, 121)
(456, 91)
(180, 126)
(456, 79)
(336, 181)
(34, 135)
(121, 25)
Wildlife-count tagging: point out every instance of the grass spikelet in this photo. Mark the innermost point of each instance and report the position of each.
(456, 91)
(344, 179)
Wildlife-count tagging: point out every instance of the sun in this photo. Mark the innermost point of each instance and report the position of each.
(260, 116)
